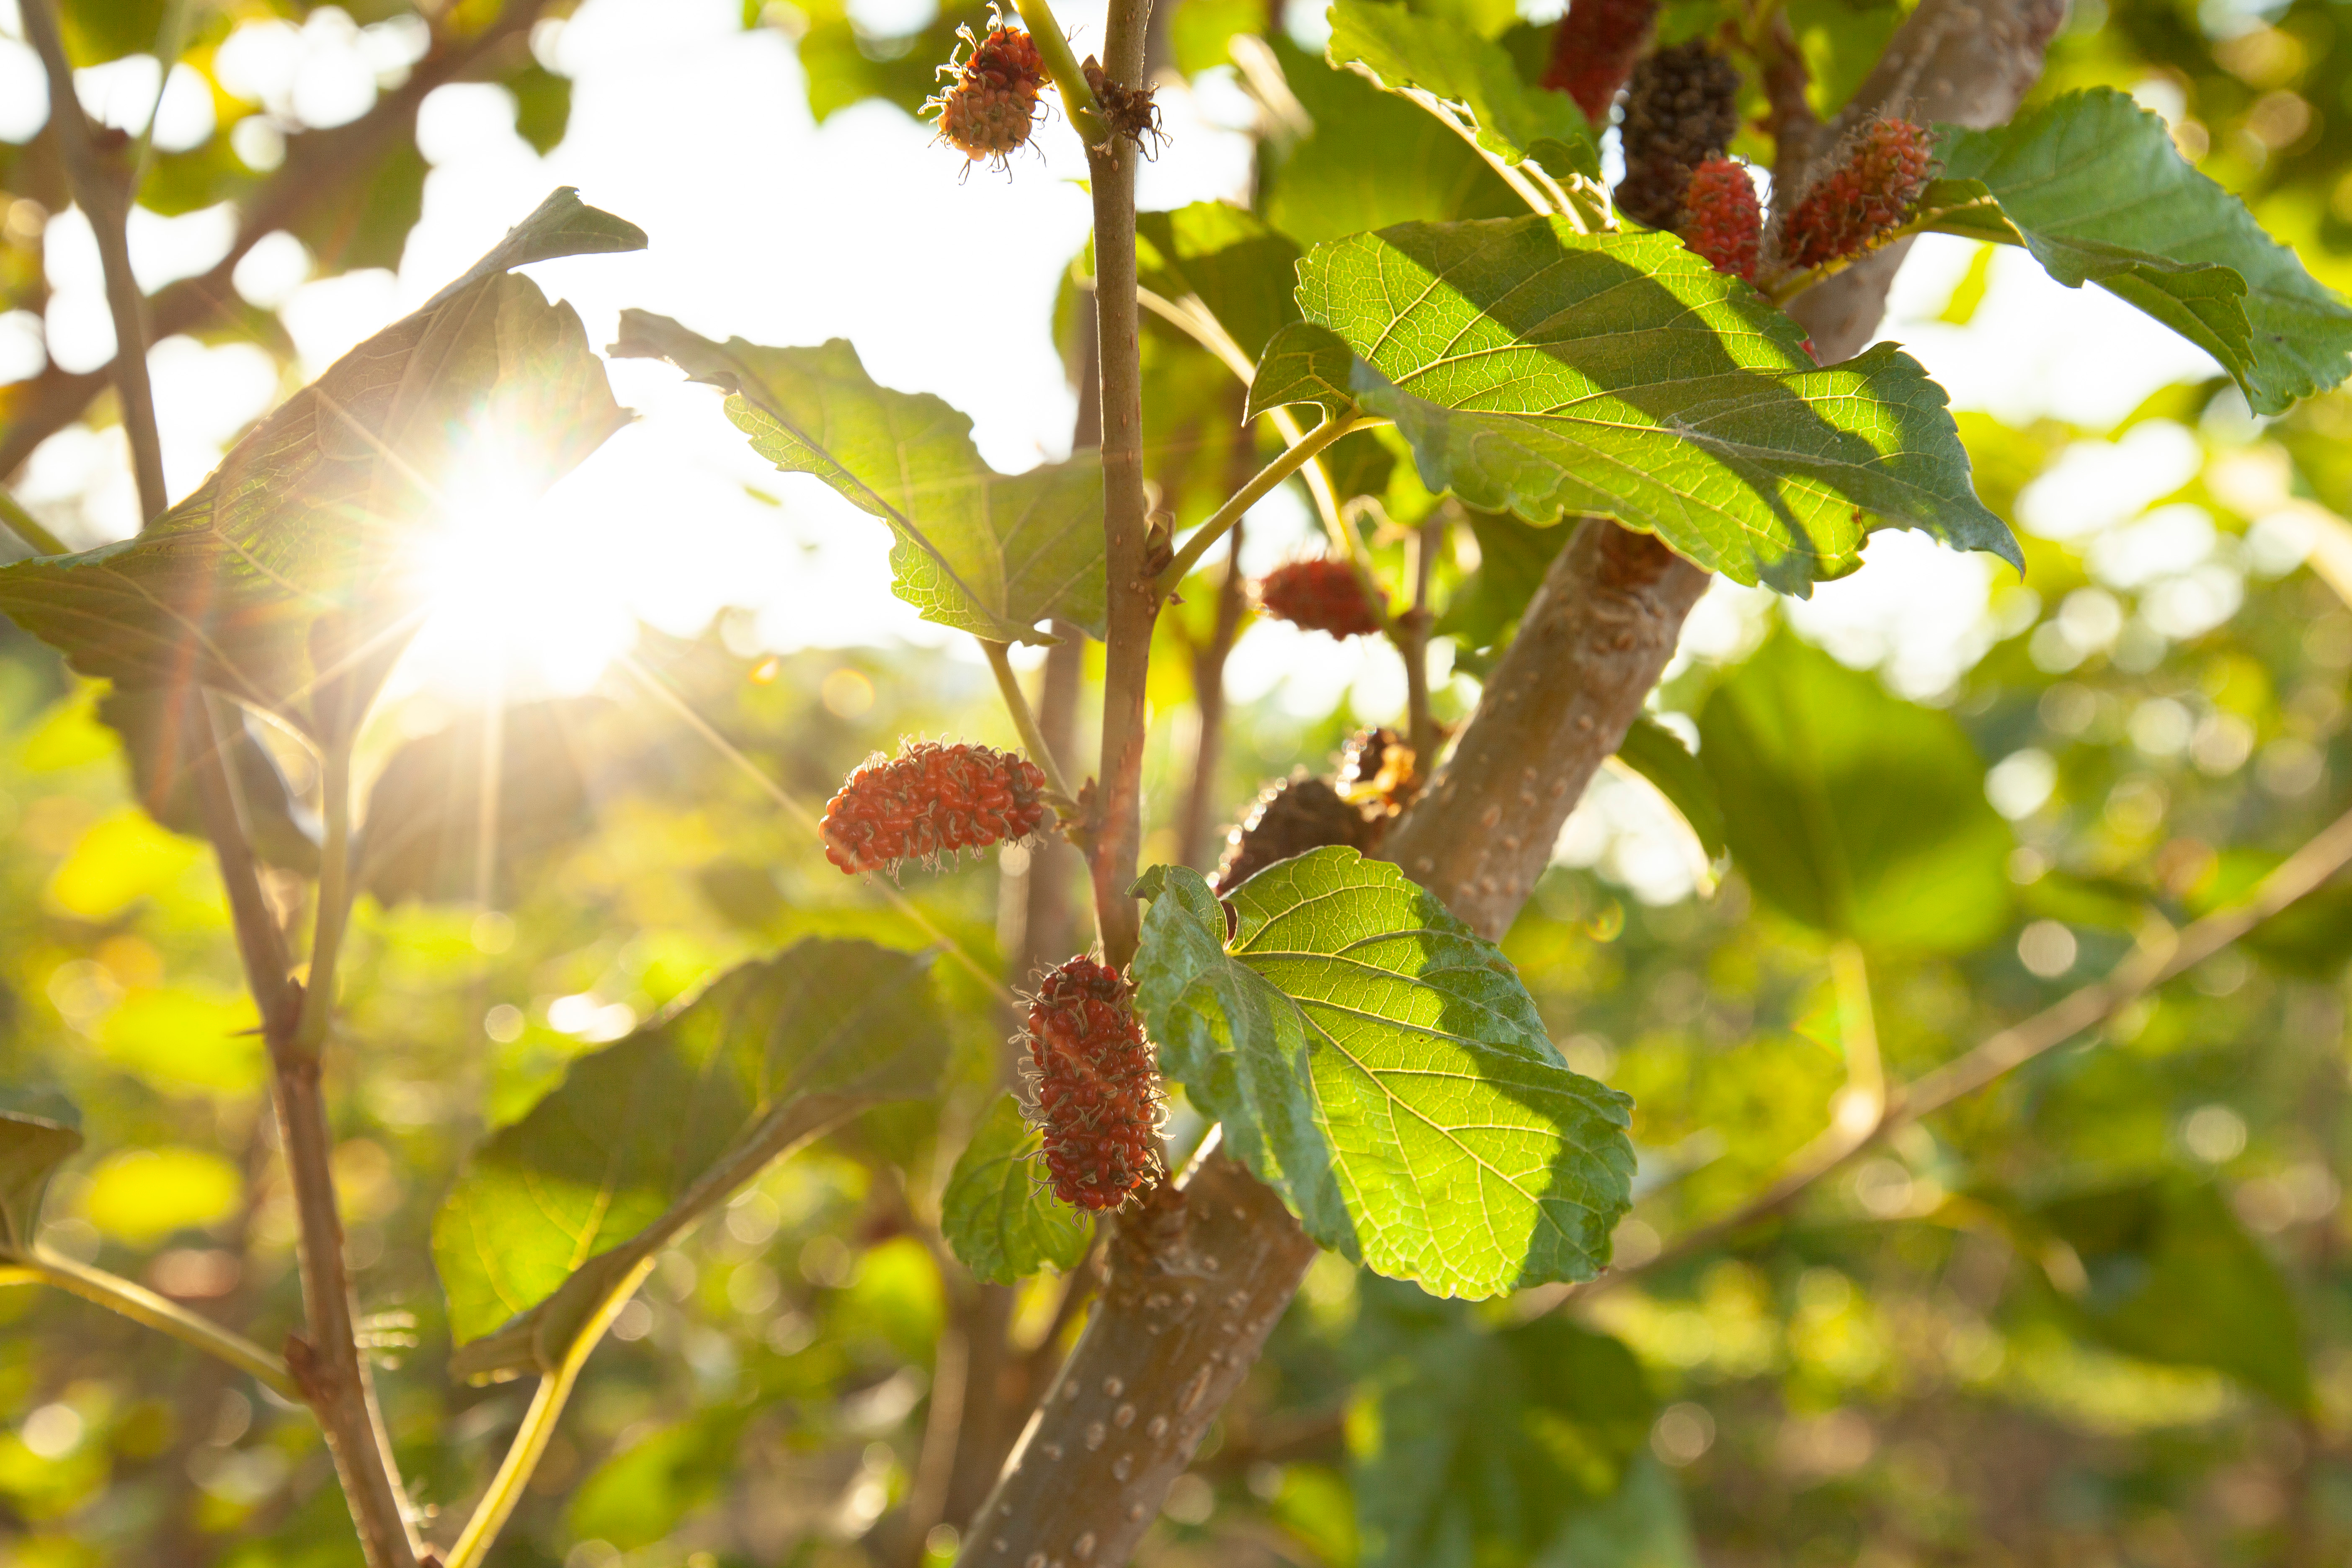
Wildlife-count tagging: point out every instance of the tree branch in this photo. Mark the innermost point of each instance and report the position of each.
(1193, 824)
(320, 166)
(1197, 1283)
(104, 196)
(1134, 589)
(327, 1365)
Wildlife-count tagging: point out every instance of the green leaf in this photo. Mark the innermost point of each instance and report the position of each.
(2168, 1274)
(1365, 158)
(1243, 271)
(2311, 939)
(643, 1492)
(2091, 184)
(998, 1215)
(976, 550)
(1850, 810)
(424, 813)
(1550, 373)
(39, 1130)
(542, 106)
(1658, 754)
(164, 732)
(843, 64)
(1436, 64)
(280, 582)
(643, 1137)
(1489, 1445)
(1485, 610)
(1384, 1069)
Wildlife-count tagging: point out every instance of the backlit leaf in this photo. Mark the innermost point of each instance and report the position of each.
(280, 581)
(644, 1136)
(38, 1131)
(1550, 373)
(2091, 184)
(989, 554)
(1383, 1068)
(1426, 56)
(998, 1214)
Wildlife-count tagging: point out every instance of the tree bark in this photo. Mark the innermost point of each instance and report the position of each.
(1199, 1280)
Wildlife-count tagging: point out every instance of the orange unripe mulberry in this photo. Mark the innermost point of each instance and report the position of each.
(1593, 49)
(1323, 595)
(932, 800)
(993, 105)
(1097, 1090)
(1875, 177)
(1721, 218)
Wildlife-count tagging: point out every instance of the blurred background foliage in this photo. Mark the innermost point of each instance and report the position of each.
(2097, 1314)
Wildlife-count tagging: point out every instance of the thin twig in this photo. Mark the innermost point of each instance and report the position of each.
(530, 1440)
(1302, 450)
(1033, 740)
(1410, 633)
(141, 1305)
(1209, 704)
(105, 201)
(2157, 960)
(1069, 80)
(328, 1366)
(27, 527)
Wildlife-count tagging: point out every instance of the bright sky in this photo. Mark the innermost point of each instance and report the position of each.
(771, 227)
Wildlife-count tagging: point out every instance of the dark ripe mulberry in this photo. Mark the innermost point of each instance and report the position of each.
(1593, 49)
(1096, 1089)
(1290, 818)
(1683, 110)
(1875, 175)
(1721, 218)
(932, 800)
(1007, 59)
(1324, 595)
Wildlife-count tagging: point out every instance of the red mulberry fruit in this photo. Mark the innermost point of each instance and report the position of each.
(1721, 219)
(993, 105)
(1097, 1092)
(1323, 595)
(1593, 49)
(1875, 175)
(932, 800)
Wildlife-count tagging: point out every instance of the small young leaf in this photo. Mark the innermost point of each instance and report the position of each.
(1417, 55)
(1546, 373)
(276, 581)
(644, 1136)
(997, 1213)
(38, 1132)
(2091, 184)
(1384, 1070)
(986, 552)
(1852, 810)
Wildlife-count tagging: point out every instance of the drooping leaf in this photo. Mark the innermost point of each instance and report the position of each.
(39, 1130)
(2168, 1274)
(1491, 1444)
(1852, 810)
(1245, 272)
(1365, 158)
(986, 552)
(280, 582)
(163, 731)
(2091, 184)
(998, 1214)
(1436, 62)
(644, 1137)
(421, 834)
(1384, 1069)
(1658, 754)
(1550, 373)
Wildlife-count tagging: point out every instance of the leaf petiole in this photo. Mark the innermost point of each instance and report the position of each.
(1301, 452)
(141, 1305)
(1032, 738)
(1069, 80)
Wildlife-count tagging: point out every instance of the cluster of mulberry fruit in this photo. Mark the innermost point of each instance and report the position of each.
(1683, 110)
(1322, 596)
(1593, 49)
(1874, 177)
(932, 800)
(1721, 219)
(992, 105)
(1097, 1092)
